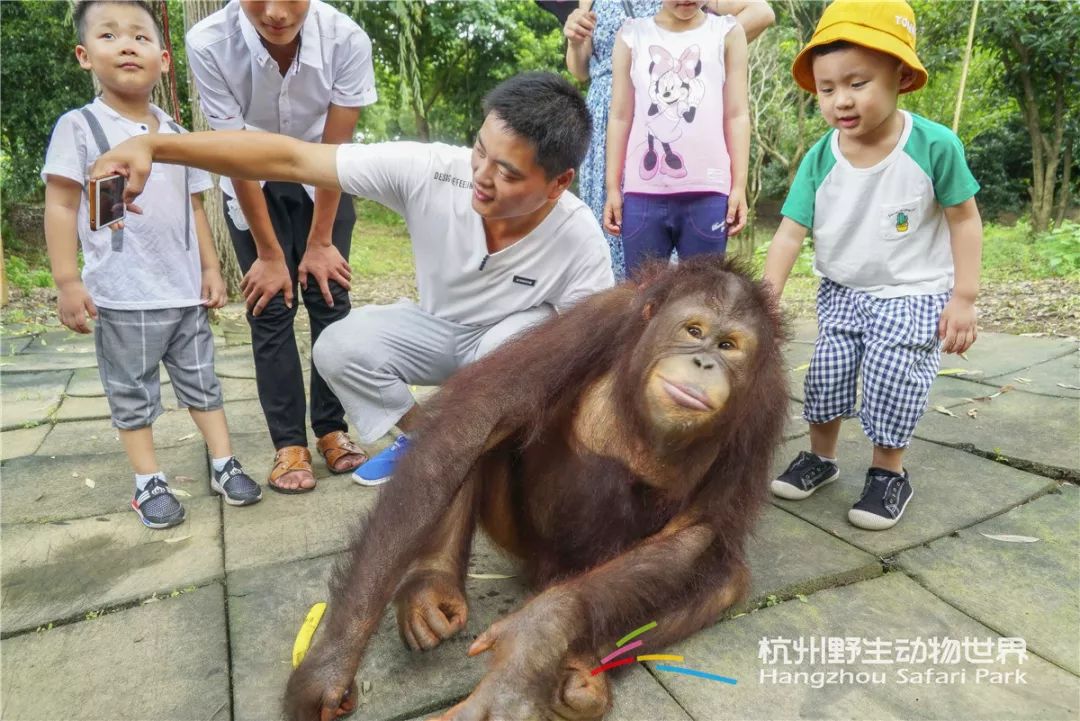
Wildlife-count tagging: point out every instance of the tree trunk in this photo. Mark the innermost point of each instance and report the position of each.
(194, 11)
(1065, 194)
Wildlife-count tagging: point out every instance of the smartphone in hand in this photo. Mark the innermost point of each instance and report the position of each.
(107, 201)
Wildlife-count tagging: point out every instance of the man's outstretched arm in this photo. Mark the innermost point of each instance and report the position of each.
(236, 154)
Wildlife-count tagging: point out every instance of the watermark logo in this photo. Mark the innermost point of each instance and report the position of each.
(905, 660)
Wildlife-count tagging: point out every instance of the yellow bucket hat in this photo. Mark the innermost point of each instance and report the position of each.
(888, 27)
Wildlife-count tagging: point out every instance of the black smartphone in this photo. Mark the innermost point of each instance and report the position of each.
(107, 200)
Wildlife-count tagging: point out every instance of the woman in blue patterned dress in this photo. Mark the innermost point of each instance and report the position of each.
(590, 31)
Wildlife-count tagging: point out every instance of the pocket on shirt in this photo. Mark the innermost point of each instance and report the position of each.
(899, 220)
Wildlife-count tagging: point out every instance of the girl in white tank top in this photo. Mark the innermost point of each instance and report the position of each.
(678, 136)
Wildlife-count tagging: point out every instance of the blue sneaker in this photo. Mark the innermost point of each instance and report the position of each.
(381, 466)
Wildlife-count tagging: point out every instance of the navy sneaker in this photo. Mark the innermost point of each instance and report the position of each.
(885, 496)
(381, 466)
(806, 474)
(156, 505)
(236, 486)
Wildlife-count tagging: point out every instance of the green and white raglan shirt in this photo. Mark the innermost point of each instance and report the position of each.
(882, 230)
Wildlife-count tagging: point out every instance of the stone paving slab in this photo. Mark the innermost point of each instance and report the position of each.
(29, 399)
(55, 571)
(234, 362)
(12, 344)
(39, 488)
(101, 669)
(637, 696)
(60, 341)
(788, 556)
(87, 382)
(75, 408)
(240, 389)
(794, 425)
(996, 354)
(1025, 590)
(1020, 425)
(268, 604)
(1049, 378)
(36, 362)
(172, 428)
(953, 490)
(289, 527)
(21, 442)
(797, 355)
(891, 608)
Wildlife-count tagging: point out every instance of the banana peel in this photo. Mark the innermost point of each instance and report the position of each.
(307, 630)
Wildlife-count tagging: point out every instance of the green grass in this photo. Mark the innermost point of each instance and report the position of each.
(25, 275)
(380, 246)
(1012, 253)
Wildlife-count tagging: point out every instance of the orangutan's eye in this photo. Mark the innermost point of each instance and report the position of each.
(694, 331)
(726, 345)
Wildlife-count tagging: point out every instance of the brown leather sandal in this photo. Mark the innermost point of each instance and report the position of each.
(286, 460)
(337, 445)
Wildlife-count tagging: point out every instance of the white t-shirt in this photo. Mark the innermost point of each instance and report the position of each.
(882, 230)
(240, 85)
(157, 267)
(563, 259)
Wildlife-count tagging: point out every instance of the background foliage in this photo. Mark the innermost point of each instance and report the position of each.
(435, 61)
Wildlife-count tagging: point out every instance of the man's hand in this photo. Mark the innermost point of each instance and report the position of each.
(324, 263)
(957, 327)
(213, 288)
(133, 159)
(613, 213)
(264, 280)
(736, 211)
(579, 25)
(73, 303)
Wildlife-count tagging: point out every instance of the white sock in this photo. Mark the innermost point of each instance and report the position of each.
(827, 460)
(219, 463)
(141, 479)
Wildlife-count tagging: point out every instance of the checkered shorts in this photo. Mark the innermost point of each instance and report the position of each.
(130, 346)
(894, 341)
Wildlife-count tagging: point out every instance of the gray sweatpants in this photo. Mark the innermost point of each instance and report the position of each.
(372, 356)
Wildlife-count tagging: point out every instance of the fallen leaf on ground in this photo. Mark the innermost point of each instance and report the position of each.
(1010, 538)
(803, 367)
(944, 410)
(89, 482)
(183, 479)
(1069, 386)
(958, 372)
(1022, 380)
(74, 474)
(973, 412)
(177, 540)
(488, 576)
(181, 492)
(184, 438)
(1003, 389)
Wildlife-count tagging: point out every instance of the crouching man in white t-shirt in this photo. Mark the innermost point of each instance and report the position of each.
(499, 243)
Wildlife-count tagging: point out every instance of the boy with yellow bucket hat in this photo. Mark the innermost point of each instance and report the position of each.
(897, 243)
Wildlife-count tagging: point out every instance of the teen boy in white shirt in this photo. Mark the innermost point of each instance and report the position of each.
(302, 69)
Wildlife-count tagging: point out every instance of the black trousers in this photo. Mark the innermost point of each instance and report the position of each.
(278, 373)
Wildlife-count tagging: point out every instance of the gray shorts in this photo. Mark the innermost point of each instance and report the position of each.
(131, 344)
